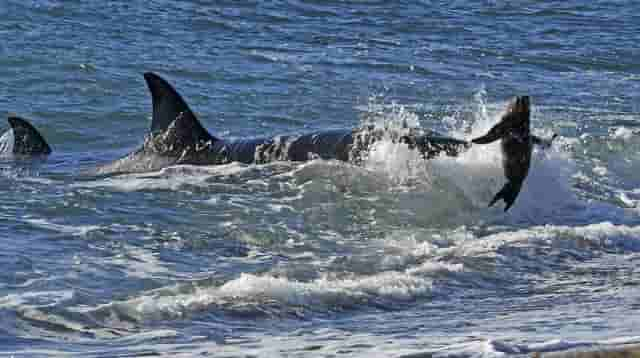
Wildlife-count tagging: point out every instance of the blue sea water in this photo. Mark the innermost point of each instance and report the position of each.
(394, 258)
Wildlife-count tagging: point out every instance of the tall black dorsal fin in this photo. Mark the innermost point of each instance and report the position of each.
(168, 105)
(27, 140)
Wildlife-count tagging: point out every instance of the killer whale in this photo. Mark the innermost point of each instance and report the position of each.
(24, 140)
(176, 136)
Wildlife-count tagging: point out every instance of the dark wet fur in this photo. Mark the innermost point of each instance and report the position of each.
(517, 146)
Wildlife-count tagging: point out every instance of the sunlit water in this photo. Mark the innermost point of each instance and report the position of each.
(395, 257)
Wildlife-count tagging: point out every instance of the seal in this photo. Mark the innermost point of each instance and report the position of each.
(517, 145)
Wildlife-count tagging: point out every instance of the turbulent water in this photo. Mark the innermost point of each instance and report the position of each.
(397, 257)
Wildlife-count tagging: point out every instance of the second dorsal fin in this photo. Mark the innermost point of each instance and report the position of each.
(27, 139)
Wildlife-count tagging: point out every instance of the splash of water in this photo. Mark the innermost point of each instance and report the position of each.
(475, 175)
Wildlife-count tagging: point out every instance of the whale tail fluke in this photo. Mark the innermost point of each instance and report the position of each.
(168, 106)
(517, 144)
(26, 139)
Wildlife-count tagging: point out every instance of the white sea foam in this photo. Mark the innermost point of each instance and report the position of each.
(141, 263)
(183, 177)
(170, 178)
(600, 236)
(261, 291)
(475, 175)
(412, 279)
(6, 143)
(73, 230)
(622, 133)
(465, 255)
(334, 341)
(35, 299)
(406, 283)
(499, 348)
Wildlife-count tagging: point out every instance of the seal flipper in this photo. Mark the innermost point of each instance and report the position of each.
(27, 139)
(543, 142)
(508, 193)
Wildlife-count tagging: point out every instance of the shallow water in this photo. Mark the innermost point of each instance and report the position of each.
(323, 258)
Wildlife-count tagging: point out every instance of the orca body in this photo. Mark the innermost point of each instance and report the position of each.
(177, 137)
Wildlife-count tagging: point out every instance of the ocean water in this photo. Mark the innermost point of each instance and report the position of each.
(395, 258)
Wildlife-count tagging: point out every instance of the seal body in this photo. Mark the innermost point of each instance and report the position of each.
(517, 146)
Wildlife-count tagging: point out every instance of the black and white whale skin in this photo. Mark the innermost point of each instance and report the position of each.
(27, 141)
(177, 137)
